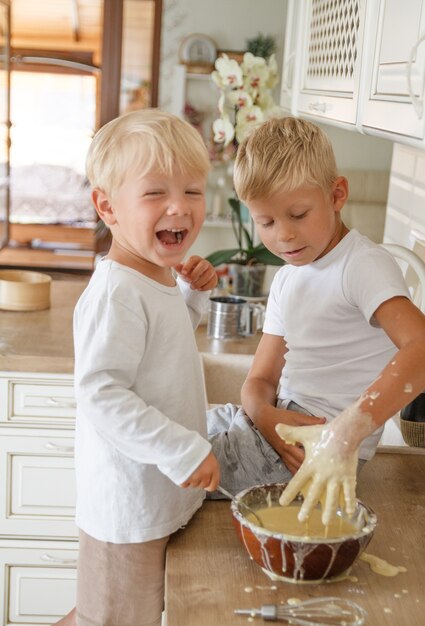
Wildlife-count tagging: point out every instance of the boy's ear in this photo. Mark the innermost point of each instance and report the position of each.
(339, 192)
(103, 206)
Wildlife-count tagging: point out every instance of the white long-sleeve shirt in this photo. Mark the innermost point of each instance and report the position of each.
(140, 405)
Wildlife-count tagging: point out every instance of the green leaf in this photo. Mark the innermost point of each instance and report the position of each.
(246, 252)
(263, 255)
(222, 256)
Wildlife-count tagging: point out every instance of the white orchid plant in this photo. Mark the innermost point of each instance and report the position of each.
(246, 97)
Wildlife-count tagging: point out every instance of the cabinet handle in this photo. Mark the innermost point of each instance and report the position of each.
(417, 102)
(54, 446)
(320, 106)
(60, 403)
(287, 67)
(52, 559)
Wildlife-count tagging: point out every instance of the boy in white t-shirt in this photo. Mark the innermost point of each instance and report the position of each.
(342, 340)
(140, 430)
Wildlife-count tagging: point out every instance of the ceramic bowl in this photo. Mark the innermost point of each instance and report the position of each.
(21, 290)
(298, 559)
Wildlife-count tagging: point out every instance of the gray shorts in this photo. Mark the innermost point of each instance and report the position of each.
(244, 455)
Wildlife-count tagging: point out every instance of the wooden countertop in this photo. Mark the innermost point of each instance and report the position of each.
(41, 341)
(208, 569)
(242, 345)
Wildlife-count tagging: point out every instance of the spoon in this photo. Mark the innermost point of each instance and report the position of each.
(241, 504)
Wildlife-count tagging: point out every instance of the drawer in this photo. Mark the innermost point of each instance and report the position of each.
(38, 584)
(37, 468)
(37, 401)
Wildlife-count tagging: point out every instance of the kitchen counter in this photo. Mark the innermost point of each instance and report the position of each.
(209, 573)
(41, 341)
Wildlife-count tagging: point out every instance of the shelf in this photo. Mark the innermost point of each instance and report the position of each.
(209, 223)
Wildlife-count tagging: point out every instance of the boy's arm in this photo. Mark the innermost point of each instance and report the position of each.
(331, 450)
(259, 399)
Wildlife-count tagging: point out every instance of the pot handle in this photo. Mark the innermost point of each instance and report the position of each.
(253, 318)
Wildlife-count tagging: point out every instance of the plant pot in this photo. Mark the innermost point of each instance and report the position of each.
(247, 280)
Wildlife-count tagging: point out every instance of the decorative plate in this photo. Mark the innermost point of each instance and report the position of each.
(198, 49)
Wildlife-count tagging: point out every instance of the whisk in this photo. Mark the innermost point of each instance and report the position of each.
(317, 612)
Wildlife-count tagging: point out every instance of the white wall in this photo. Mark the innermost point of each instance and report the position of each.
(228, 22)
(359, 152)
(405, 222)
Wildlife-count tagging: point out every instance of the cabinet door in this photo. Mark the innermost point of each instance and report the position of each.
(38, 497)
(395, 80)
(291, 56)
(331, 60)
(38, 584)
(4, 120)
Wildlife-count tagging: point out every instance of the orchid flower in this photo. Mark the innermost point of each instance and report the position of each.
(224, 131)
(229, 71)
(245, 98)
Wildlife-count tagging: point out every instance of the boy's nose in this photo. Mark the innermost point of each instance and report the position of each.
(286, 232)
(177, 206)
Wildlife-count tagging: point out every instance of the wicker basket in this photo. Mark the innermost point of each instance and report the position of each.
(413, 433)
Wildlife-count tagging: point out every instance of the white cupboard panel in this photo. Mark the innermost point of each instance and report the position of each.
(40, 593)
(39, 582)
(39, 498)
(37, 401)
(331, 63)
(34, 485)
(395, 97)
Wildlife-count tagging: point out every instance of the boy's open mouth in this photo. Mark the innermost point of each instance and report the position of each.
(172, 236)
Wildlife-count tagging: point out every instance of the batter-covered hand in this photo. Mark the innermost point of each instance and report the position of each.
(198, 272)
(329, 468)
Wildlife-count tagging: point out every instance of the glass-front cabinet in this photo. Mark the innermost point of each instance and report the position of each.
(4, 119)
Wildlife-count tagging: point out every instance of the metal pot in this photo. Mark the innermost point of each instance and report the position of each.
(230, 317)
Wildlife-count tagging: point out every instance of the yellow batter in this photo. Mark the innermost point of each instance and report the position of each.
(283, 519)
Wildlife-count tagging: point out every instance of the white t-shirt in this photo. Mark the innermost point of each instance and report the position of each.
(324, 311)
(141, 415)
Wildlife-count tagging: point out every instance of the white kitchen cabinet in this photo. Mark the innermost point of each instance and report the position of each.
(322, 62)
(38, 535)
(357, 64)
(394, 81)
(291, 56)
(46, 401)
(38, 580)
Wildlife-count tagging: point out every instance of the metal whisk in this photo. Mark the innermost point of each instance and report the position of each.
(317, 612)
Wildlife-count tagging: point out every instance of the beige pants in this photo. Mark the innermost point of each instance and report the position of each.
(120, 584)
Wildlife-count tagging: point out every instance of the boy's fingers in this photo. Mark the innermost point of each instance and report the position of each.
(349, 488)
(291, 455)
(287, 433)
(332, 499)
(190, 263)
(299, 419)
(292, 489)
(311, 499)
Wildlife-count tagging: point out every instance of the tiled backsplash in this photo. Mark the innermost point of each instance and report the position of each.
(405, 219)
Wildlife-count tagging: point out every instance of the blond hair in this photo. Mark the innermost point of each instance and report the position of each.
(283, 154)
(143, 141)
